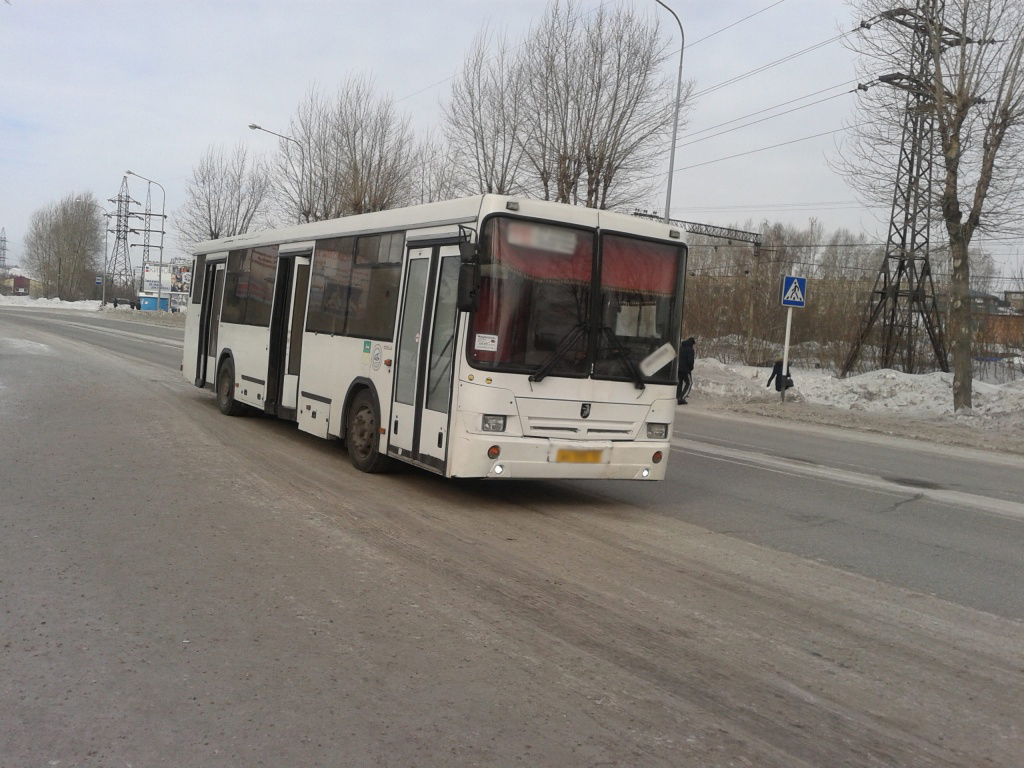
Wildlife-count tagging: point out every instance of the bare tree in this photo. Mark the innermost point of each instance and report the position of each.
(354, 154)
(577, 112)
(64, 246)
(228, 194)
(483, 118)
(974, 86)
(598, 110)
(434, 177)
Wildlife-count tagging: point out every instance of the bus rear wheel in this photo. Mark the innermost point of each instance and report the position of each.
(362, 435)
(226, 390)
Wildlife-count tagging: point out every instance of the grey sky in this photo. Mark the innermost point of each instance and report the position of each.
(90, 89)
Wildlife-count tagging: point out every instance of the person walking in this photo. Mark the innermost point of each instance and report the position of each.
(687, 357)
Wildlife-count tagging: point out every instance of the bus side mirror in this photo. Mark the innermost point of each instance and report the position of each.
(469, 287)
(468, 251)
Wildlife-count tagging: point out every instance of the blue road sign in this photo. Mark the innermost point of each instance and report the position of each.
(793, 292)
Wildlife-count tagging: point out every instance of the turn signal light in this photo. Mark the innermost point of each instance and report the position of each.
(493, 452)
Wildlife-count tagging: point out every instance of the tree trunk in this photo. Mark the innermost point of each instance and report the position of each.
(960, 330)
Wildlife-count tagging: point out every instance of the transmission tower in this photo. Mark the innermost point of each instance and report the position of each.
(904, 293)
(120, 272)
(3, 250)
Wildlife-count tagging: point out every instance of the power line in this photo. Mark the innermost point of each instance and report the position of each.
(771, 65)
(825, 205)
(735, 23)
(765, 119)
(768, 109)
(763, 149)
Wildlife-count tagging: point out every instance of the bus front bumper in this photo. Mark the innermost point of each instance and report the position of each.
(526, 458)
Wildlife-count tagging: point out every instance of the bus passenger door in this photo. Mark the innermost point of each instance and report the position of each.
(424, 357)
(286, 325)
(210, 309)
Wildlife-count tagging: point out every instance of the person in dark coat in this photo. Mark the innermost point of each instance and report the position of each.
(687, 357)
(780, 380)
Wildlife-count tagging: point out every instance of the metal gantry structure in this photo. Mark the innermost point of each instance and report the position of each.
(904, 297)
(709, 230)
(120, 270)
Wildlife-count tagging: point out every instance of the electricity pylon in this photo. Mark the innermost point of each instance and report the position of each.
(904, 293)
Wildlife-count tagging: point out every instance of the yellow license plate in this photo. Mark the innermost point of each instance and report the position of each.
(570, 456)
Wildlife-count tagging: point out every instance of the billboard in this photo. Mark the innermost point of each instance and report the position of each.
(176, 277)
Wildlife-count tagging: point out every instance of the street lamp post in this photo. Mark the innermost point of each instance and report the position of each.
(302, 163)
(163, 226)
(675, 122)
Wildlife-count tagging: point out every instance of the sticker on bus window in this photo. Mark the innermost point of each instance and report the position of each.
(541, 237)
(486, 342)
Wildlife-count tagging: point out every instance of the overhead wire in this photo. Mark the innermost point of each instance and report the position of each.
(768, 109)
(735, 23)
(771, 64)
(764, 119)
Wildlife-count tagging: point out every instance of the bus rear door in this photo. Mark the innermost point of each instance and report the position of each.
(209, 323)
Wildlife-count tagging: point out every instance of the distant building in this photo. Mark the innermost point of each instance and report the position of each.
(17, 283)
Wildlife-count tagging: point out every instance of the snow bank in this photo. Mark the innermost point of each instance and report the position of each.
(25, 301)
(920, 395)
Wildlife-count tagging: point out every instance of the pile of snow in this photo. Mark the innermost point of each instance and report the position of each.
(884, 391)
(25, 301)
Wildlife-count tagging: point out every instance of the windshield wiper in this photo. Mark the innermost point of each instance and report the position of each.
(570, 338)
(627, 361)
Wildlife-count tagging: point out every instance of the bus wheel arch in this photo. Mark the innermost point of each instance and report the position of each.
(225, 387)
(362, 429)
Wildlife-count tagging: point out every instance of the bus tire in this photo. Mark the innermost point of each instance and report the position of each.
(362, 435)
(226, 390)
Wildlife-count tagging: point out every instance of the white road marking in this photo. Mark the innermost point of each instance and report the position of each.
(993, 506)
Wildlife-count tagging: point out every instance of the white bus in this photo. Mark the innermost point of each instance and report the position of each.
(489, 337)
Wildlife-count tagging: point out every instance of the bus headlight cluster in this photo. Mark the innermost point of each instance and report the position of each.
(657, 431)
(493, 423)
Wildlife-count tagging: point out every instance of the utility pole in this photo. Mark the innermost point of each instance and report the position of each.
(120, 273)
(904, 293)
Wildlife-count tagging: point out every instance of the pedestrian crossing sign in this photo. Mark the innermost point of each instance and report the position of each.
(794, 291)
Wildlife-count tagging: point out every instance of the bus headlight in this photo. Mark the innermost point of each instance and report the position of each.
(657, 431)
(493, 423)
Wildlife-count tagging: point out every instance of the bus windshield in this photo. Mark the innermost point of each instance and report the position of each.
(549, 307)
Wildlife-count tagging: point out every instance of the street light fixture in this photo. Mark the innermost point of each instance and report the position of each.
(163, 226)
(675, 122)
(254, 127)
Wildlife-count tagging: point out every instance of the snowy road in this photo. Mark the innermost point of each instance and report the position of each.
(185, 589)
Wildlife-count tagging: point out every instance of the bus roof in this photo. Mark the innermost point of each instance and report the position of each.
(435, 215)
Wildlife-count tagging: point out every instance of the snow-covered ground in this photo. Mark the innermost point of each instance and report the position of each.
(24, 301)
(884, 391)
(888, 401)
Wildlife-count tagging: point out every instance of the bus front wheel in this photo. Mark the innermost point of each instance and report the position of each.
(226, 390)
(362, 436)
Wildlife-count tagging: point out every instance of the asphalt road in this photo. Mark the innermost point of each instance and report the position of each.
(180, 588)
(944, 521)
